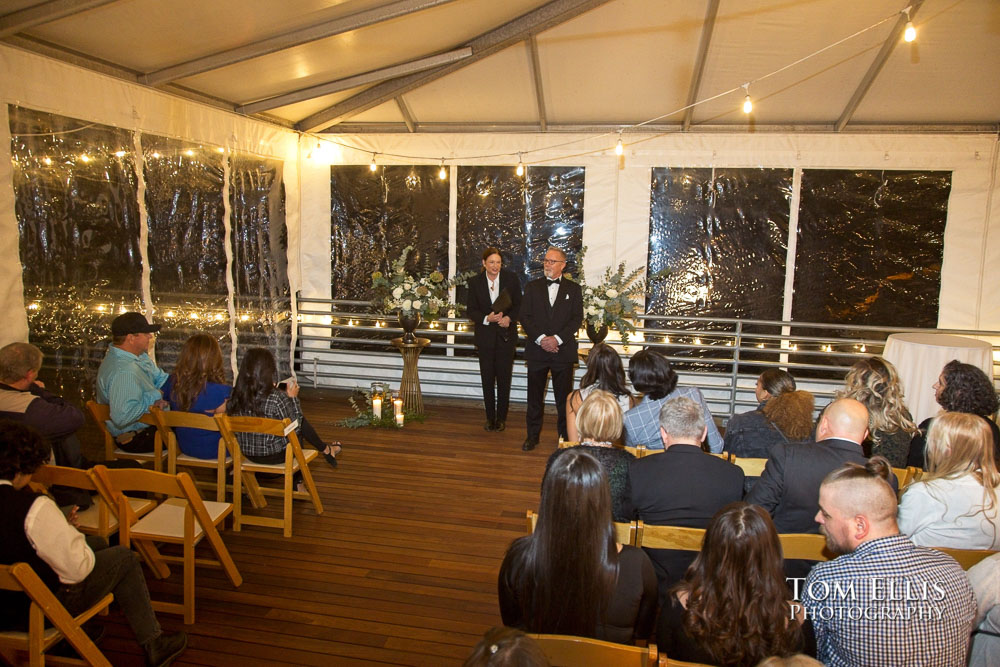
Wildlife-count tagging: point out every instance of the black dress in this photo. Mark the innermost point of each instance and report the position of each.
(629, 617)
(615, 462)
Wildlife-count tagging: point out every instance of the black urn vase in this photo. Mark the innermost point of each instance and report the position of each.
(409, 321)
(597, 335)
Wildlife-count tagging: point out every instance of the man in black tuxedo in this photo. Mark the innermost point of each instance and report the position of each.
(493, 302)
(683, 486)
(551, 314)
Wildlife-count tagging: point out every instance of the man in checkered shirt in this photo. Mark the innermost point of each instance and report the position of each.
(885, 601)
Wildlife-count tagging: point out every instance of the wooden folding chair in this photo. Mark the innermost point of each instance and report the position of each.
(184, 518)
(668, 537)
(296, 460)
(804, 546)
(751, 467)
(98, 519)
(101, 413)
(966, 557)
(624, 532)
(167, 420)
(44, 605)
(569, 651)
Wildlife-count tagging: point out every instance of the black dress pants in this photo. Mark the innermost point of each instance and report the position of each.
(562, 384)
(496, 365)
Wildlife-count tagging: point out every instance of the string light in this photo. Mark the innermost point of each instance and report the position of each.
(220, 149)
(910, 33)
(84, 158)
(747, 103)
(119, 153)
(442, 173)
(372, 166)
(156, 155)
(619, 148)
(47, 161)
(189, 153)
(520, 166)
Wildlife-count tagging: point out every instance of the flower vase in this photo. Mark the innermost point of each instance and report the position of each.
(409, 320)
(597, 335)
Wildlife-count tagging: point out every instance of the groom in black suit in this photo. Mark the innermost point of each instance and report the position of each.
(551, 314)
(493, 303)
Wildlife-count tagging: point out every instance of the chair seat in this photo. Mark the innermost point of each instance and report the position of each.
(189, 460)
(250, 466)
(50, 636)
(166, 522)
(139, 456)
(90, 517)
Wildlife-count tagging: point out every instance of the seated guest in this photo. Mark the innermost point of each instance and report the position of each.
(600, 424)
(604, 371)
(960, 388)
(506, 647)
(985, 579)
(256, 395)
(36, 532)
(198, 384)
(955, 502)
(857, 514)
(129, 382)
(789, 485)
(732, 606)
(683, 486)
(874, 382)
(570, 577)
(652, 375)
(784, 415)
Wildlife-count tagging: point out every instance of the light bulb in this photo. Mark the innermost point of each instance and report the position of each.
(156, 155)
(520, 166)
(373, 166)
(84, 158)
(47, 161)
(442, 173)
(619, 149)
(119, 153)
(220, 149)
(189, 152)
(910, 33)
(747, 104)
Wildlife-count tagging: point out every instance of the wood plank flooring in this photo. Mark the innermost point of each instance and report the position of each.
(401, 567)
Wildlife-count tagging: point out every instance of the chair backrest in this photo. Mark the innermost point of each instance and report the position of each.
(624, 532)
(177, 418)
(805, 546)
(669, 537)
(568, 651)
(47, 476)
(967, 557)
(751, 467)
(564, 444)
(114, 483)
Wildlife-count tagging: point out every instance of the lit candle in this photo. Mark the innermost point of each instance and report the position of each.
(399, 420)
(377, 407)
(397, 405)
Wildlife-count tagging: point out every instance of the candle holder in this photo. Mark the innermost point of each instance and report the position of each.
(378, 395)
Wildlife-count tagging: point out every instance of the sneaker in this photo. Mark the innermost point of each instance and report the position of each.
(161, 651)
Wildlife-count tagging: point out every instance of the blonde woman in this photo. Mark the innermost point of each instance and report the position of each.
(599, 421)
(875, 383)
(955, 502)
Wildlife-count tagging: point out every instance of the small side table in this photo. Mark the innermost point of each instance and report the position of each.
(409, 387)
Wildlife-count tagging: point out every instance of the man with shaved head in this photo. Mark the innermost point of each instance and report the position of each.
(789, 486)
(885, 601)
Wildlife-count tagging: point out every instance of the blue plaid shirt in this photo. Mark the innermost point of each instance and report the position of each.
(890, 603)
(642, 423)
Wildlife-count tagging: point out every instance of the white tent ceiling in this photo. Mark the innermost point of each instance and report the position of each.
(551, 65)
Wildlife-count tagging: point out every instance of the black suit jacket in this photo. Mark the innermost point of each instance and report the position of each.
(478, 306)
(562, 319)
(789, 486)
(683, 486)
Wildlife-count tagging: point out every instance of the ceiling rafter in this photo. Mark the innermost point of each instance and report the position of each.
(877, 64)
(15, 22)
(347, 83)
(698, 72)
(547, 16)
(536, 71)
(404, 111)
(289, 39)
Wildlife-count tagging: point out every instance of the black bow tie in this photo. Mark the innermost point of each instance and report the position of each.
(550, 281)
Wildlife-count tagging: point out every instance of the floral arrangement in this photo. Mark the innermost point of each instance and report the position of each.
(617, 299)
(427, 295)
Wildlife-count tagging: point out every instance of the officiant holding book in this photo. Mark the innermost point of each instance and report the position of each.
(492, 304)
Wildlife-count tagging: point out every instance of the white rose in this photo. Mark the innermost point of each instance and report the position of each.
(417, 303)
(407, 285)
(601, 302)
(398, 292)
(592, 310)
(407, 304)
(612, 293)
(590, 290)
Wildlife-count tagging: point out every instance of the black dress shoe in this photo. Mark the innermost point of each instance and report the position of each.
(529, 444)
(489, 426)
(499, 425)
(161, 651)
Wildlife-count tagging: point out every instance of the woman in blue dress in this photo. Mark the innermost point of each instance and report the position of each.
(198, 384)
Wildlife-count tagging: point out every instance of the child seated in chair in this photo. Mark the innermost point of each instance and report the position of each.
(33, 530)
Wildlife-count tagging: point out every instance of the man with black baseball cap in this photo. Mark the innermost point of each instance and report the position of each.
(129, 382)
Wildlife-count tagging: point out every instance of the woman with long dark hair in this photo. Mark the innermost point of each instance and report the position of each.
(570, 576)
(732, 606)
(605, 372)
(198, 384)
(875, 383)
(256, 395)
(784, 414)
(960, 388)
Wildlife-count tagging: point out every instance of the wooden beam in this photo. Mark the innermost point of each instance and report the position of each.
(289, 39)
(883, 55)
(547, 16)
(407, 116)
(15, 22)
(536, 71)
(707, 27)
(374, 76)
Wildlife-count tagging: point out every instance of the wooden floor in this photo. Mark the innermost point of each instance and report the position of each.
(401, 567)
